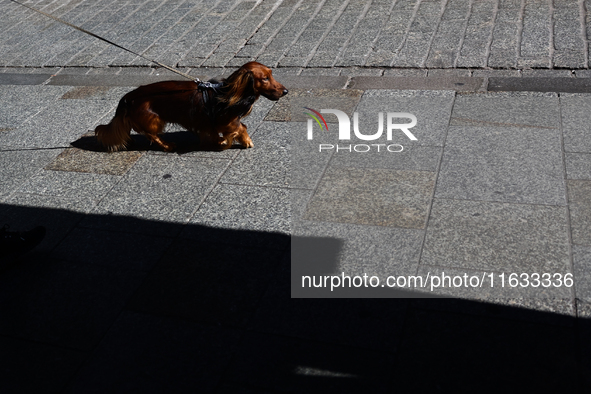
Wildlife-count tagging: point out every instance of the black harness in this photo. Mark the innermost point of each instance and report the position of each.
(209, 90)
(204, 88)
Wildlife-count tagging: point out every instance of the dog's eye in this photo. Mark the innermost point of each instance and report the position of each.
(265, 79)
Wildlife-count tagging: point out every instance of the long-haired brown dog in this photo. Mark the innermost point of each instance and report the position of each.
(211, 109)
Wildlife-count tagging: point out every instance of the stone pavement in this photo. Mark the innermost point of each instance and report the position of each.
(175, 272)
(466, 34)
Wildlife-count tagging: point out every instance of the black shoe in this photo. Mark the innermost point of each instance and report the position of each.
(19, 242)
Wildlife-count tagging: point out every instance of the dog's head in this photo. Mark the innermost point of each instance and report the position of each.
(263, 81)
(254, 79)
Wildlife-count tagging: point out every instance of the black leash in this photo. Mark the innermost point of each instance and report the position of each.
(112, 43)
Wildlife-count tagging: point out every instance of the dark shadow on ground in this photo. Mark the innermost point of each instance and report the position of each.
(111, 304)
(185, 142)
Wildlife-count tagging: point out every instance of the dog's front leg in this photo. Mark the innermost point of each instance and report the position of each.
(243, 138)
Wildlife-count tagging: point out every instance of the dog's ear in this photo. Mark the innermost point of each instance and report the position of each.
(241, 84)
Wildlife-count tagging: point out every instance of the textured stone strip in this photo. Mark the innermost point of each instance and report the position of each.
(568, 41)
(27, 17)
(275, 26)
(339, 49)
(475, 47)
(461, 44)
(505, 44)
(318, 58)
(25, 36)
(75, 41)
(446, 43)
(419, 35)
(13, 14)
(174, 34)
(583, 31)
(130, 31)
(45, 40)
(224, 48)
(150, 29)
(535, 37)
(389, 38)
(586, 6)
(297, 20)
(437, 25)
(194, 35)
(108, 30)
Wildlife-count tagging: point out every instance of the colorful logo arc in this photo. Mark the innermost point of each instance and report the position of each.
(315, 118)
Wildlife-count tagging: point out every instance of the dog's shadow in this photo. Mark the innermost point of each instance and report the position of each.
(185, 142)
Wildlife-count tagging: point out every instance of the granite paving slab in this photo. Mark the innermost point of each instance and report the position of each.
(283, 157)
(57, 125)
(516, 109)
(412, 157)
(69, 184)
(168, 188)
(578, 165)
(576, 119)
(431, 108)
(268, 164)
(581, 268)
(491, 236)
(85, 92)
(49, 202)
(373, 196)
(89, 161)
(292, 107)
(96, 93)
(246, 207)
(372, 250)
(18, 165)
(579, 202)
(19, 103)
(521, 165)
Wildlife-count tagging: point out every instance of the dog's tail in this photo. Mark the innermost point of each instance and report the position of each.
(115, 135)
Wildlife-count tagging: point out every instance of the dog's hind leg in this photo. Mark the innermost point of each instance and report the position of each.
(166, 146)
(150, 125)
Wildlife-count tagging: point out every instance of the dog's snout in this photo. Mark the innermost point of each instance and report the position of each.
(285, 91)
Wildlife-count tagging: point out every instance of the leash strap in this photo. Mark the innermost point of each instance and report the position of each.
(107, 41)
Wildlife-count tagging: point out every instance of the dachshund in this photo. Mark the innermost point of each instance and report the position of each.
(210, 109)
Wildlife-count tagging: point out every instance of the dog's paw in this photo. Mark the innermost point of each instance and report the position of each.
(247, 142)
(169, 147)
